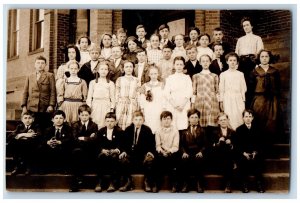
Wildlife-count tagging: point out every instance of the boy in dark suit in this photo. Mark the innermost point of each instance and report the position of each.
(218, 39)
(247, 142)
(218, 65)
(56, 144)
(84, 150)
(138, 154)
(24, 141)
(89, 70)
(109, 149)
(193, 144)
(141, 69)
(116, 68)
(221, 149)
(192, 66)
(39, 94)
(164, 31)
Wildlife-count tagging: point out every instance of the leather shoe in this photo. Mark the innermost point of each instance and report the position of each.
(126, 187)
(147, 187)
(199, 188)
(185, 188)
(155, 188)
(111, 188)
(174, 188)
(98, 188)
(74, 188)
(260, 188)
(245, 188)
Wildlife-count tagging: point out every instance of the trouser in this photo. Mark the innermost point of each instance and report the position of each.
(108, 165)
(251, 167)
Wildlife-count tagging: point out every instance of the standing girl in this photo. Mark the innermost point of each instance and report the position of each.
(127, 92)
(71, 93)
(232, 91)
(131, 45)
(204, 40)
(206, 89)
(73, 55)
(178, 92)
(101, 95)
(265, 83)
(152, 102)
(153, 52)
(84, 42)
(105, 45)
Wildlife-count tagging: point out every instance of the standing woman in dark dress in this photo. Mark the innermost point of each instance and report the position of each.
(265, 86)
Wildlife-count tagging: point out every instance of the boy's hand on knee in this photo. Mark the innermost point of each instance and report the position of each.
(199, 155)
(122, 155)
(185, 156)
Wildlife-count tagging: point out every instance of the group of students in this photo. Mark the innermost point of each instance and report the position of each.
(126, 75)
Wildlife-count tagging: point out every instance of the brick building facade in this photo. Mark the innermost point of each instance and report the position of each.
(61, 27)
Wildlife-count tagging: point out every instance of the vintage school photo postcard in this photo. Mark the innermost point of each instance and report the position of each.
(148, 101)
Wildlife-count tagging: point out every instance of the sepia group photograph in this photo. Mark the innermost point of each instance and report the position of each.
(148, 100)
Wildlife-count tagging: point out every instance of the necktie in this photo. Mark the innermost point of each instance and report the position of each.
(83, 129)
(135, 136)
(57, 134)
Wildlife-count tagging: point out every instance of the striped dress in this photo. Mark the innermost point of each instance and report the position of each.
(73, 94)
(127, 93)
(205, 91)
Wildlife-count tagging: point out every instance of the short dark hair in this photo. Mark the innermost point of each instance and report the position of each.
(137, 114)
(205, 34)
(249, 111)
(166, 114)
(59, 112)
(246, 19)
(129, 61)
(218, 29)
(273, 58)
(140, 49)
(89, 41)
(190, 46)
(179, 58)
(28, 113)
(194, 28)
(217, 44)
(166, 46)
(84, 107)
(192, 112)
(110, 115)
(230, 54)
(121, 30)
(163, 26)
(40, 57)
(72, 46)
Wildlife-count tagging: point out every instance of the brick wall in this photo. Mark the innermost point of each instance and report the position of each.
(100, 22)
(200, 19)
(117, 20)
(62, 37)
(212, 20)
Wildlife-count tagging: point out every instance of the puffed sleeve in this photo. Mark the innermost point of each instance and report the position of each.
(188, 93)
(84, 90)
(237, 47)
(112, 95)
(90, 93)
(60, 89)
(143, 96)
(222, 87)
(259, 45)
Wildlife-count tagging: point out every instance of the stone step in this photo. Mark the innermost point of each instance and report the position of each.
(281, 165)
(273, 181)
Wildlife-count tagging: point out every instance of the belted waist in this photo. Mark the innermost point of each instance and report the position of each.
(72, 100)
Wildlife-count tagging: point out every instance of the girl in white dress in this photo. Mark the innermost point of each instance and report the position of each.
(83, 44)
(232, 89)
(178, 92)
(101, 95)
(152, 102)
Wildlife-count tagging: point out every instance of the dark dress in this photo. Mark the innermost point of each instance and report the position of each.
(265, 88)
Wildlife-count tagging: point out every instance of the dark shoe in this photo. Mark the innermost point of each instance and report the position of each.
(27, 172)
(260, 188)
(199, 188)
(16, 171)
(245, 188)
(175, 188)
(155, 188)
(111, 188)
(98, 188)
(228, 188)
(126, 187)
(147, 186)
(74, 189)
(185, 188)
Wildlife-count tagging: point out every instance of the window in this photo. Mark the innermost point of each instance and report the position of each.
(37, 28)
(13, 33)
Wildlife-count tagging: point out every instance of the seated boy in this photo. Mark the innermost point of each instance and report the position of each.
(192, 66)
(109, 149)
(23, 142)
(167, 145)
(249, 152)
(193, 144)
(55, 146)
(89, 70)
(218, 65)
(84, 149)
(138, 154)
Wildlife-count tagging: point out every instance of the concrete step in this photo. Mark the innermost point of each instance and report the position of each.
(281, 165)
(273, 181)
